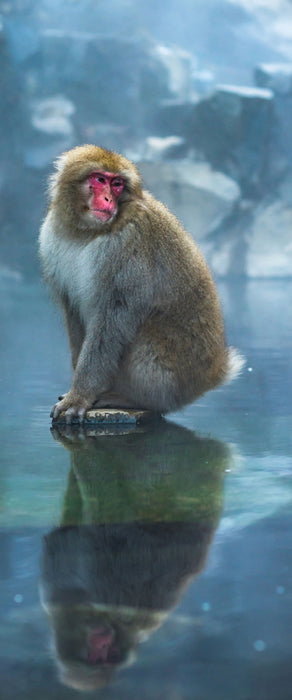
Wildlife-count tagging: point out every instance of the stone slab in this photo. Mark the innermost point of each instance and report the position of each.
(112, 416)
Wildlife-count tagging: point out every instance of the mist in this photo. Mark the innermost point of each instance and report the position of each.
(177, 535)
(205, 87)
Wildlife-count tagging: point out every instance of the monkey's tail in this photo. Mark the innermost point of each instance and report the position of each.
(235, 364)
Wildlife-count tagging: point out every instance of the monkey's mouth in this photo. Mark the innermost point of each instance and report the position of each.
(103, 214)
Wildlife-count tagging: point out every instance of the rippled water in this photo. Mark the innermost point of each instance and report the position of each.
(155, 562)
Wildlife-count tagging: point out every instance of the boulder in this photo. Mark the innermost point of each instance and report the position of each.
(204, 82)
(52, 130)
(110, 80)
(11, 108)
(256, 242)
(278, 78)
(170, 147)
(200, 197)
(269, 252)
(232, 129)
(179, 65)
(275, 76)
(172, 117)
(52, 115)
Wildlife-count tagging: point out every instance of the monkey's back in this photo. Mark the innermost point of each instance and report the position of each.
(187, 287)
(185, 325)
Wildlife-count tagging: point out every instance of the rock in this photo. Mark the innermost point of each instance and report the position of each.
(232, 129)
(179, 66)
(95, 73)
(12, 117)
(113, 416)
(256, 242)
(66, 58)
(157, 148)
(204, 82)
(172, 117)
(52, 130)
(112, 136)
(52, 115)
(278, 77)
(285, 189)
(200, 197)
(269, 252)
(275, 76)
(22, 36)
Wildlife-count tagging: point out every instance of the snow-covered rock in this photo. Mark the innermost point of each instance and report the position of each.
(232, 129)
(200, 197)
(275, 76)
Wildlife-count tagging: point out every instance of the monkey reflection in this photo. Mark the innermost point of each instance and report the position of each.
(139, 515)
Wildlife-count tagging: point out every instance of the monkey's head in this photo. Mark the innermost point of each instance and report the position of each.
(91, 645)
(91, 185)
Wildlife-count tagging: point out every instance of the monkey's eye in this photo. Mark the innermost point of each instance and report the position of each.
(100, 178)
(118, 184)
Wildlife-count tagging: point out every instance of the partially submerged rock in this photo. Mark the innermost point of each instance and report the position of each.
(97, 416)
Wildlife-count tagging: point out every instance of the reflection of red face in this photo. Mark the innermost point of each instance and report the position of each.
(101, 646)
(105, 190)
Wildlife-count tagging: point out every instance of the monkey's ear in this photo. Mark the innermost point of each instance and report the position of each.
(61, 162)
(60, 165)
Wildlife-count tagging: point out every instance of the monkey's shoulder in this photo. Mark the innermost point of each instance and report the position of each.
(162, 220)
(163, 233)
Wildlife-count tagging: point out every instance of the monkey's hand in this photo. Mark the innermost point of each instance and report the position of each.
(74, 407)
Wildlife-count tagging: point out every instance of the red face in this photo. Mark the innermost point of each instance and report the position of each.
(101, 646)
(105, 190)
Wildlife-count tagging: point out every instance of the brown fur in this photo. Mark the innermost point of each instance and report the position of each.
(142, 312)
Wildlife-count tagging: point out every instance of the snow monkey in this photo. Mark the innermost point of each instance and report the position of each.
(141, 309)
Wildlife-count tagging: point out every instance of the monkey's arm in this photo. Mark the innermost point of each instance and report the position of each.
(97, 363)
(117, 317)
(75, 330)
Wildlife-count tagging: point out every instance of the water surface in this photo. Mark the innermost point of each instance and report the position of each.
(154, 562)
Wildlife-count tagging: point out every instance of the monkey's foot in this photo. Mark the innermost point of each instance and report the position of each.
(109, 408)
(72, 406)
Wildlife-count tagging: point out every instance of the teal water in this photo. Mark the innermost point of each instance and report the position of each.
(152, 563)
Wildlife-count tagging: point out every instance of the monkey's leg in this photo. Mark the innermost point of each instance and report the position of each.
(148, 386)
(76, 333)
(148, 376)
(75, 330)
(166, 367)
(91, 376)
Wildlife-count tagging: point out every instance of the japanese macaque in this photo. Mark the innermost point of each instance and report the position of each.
(141, 309)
